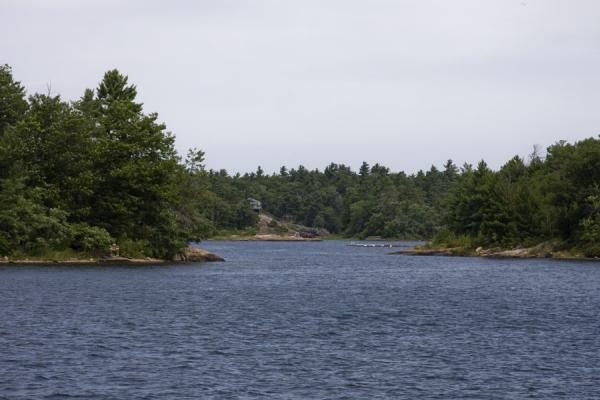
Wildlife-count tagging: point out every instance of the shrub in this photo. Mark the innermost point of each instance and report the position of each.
(90, 239)
(134, 248)
(445, 238)
(592, 250)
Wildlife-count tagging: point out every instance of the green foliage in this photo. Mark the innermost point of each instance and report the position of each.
(137, 166)
(25, 223)
(12, 99)
(591, 250)
(372, 202)
(73, 176)
(553, 198)
(79, 174)
(279, 229)
(447, 238)
(134, 248)
(194, 160)
(90, 239)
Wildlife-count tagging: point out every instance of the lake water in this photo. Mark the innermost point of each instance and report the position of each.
(316, 320)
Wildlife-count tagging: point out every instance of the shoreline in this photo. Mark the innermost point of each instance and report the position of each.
(189, 256)
(265, 238)
(88, 261)
(277, 238)
(521, 253)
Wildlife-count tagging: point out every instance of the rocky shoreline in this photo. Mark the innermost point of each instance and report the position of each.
(271, 229)
(269, 238)
(539, 251)
(189, 255)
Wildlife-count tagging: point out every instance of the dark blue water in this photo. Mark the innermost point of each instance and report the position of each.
(303, 321)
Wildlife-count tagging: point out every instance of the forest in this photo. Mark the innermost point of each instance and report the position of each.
(77, 176)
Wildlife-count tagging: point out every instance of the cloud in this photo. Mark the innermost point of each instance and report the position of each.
(403, 83)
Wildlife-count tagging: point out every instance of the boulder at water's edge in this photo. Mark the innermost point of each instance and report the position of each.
(195, 254)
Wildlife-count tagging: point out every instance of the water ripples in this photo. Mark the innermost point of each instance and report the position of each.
(302, 321)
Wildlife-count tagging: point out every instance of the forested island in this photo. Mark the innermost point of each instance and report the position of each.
(77, 177)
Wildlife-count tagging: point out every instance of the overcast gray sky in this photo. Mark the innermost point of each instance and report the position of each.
(403, 83)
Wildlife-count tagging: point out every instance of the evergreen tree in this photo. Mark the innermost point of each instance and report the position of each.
(12, 99)
(138, 165)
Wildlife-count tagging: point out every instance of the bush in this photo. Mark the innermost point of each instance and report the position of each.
(592, 250)
(26, 225)
(134, 248)
(90, 239)
(445, 238)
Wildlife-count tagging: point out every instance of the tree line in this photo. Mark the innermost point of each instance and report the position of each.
(81, 175)
(552, 198)
(370, 202)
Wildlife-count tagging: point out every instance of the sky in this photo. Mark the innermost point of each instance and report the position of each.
(406, 84)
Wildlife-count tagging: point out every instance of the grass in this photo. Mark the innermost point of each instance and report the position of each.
(226, 234)
(53, 255)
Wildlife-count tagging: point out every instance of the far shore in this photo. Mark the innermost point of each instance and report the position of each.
(283, 238)
(266, 238)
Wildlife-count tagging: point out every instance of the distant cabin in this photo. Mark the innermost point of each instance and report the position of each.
(255, 204)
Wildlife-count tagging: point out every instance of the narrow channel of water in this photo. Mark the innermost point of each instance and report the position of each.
(303, 321)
